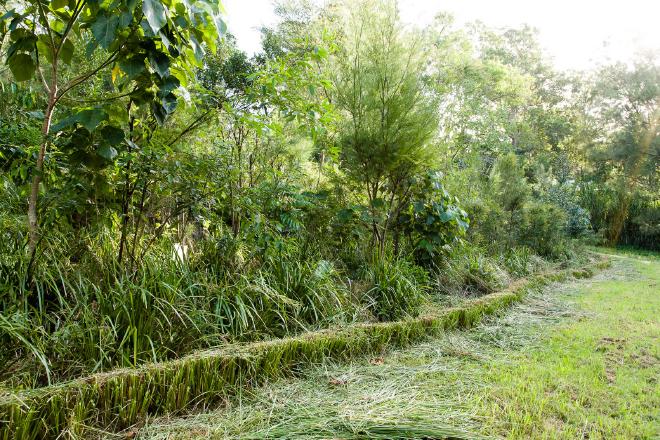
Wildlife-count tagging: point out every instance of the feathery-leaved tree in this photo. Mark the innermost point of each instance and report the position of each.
(388, 118)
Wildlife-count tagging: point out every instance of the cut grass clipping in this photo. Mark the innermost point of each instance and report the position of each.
(117, 400)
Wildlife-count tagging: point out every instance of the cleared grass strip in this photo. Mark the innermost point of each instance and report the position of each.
(117, 400)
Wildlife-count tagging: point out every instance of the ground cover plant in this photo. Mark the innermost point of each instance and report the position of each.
(164, 193)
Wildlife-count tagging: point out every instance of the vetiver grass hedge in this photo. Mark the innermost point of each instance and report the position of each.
(117, 400)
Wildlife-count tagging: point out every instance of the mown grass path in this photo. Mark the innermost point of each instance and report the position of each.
(580, 360)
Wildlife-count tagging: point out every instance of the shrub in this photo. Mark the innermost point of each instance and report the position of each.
(488, 226)
(397, 289)
(577, 223)
(543, 230)
(433, 219)
(577, 218)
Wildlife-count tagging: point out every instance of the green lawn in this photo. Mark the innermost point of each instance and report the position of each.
(580, 360)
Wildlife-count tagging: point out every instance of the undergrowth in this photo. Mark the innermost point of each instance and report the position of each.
(436, 389)
(117, 400)
(81, 312)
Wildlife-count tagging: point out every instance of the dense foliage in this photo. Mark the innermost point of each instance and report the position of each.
(162, 191)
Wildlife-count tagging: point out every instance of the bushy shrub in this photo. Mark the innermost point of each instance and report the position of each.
(488, 225)
(397, 289)
(543, 230)
(642, 227)
(577, 223)
(433, 219)
(577, 217)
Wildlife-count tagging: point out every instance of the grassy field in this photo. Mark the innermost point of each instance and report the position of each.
(580, 360)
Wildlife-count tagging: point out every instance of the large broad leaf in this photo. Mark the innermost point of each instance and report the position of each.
(66, 52)
(22, 66)
(106, 151)
(44, 48)
(169, 103)
(197, 48)
(58, 4)
(447, 216)
(88, 118)
(104, 29)
(112, 135)
(168, 85)
(132, 66)
(155, 13)
(159, 113)
(125, 19)
(160, 63)
(23, 43)
(91, 118)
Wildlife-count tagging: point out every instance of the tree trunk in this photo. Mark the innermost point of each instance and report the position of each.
(33, 219)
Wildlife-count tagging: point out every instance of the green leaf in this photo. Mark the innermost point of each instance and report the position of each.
(220, 25)
(447, 216)
(168, 85)
(159, 113)
(132, 66)
(37, 114)
(160, 63)
(25, 42)
(88, 118)
(91, 118)
(66, 52)
(155, 13)
(106, 151)
(169, 103)
(44, 48)
(125, 19)
(58, 4)
(197, 48)
(112, 135)
(9, 14)
(104, 29)
(22, 66)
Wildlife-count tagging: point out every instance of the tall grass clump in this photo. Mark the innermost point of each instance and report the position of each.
(76, 318)
(398, 289)
(85, 313)
(283, 296)
(469, 270)
(520, 261)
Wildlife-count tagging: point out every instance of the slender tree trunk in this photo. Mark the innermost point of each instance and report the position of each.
(138, 218)
(33, 219)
